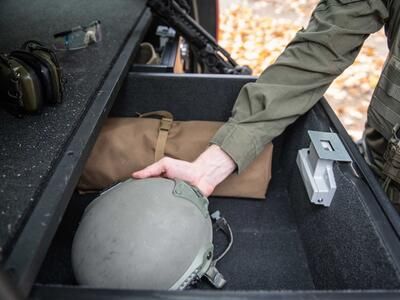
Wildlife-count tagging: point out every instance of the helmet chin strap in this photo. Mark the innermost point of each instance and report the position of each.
(212, 274)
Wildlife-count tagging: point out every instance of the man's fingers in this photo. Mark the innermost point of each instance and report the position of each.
(169, 168)
(172, 168)
(153, 170)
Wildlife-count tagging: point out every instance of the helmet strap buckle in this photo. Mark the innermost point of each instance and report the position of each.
(215, 277)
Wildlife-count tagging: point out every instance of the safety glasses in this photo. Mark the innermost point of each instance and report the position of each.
(78, 37)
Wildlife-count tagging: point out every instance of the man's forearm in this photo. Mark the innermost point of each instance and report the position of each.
(300, 76)
(213, 165)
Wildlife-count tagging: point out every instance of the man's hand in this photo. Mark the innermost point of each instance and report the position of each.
(206, 172)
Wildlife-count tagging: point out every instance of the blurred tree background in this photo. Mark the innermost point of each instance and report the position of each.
(256, 31)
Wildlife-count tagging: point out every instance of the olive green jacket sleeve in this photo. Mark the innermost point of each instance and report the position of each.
(299, 77)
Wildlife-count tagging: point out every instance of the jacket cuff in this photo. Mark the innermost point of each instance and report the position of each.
(238, 143)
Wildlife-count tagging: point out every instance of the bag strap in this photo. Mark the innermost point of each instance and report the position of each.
(157, 113)
(163, 130)
(165, 125)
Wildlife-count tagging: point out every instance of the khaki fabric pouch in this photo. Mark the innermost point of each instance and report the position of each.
(126, 145)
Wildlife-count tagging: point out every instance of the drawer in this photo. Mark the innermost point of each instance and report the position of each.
(282, 243)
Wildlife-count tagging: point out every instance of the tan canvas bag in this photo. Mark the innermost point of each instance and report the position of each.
(126, 145)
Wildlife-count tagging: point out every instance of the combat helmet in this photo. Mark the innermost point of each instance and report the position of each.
(152, 233)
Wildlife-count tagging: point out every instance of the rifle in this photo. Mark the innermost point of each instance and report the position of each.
(212, 56)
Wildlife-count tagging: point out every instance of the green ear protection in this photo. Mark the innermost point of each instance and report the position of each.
(30, 78)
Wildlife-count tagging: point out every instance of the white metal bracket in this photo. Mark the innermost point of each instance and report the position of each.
(316, 165)
(165, 33)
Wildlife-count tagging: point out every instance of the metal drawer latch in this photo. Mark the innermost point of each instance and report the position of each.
(316, 165)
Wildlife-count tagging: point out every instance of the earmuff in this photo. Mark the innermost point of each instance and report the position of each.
(30, 78)
(41, 70)
(31, 91)
(10, 87)
(48, 58)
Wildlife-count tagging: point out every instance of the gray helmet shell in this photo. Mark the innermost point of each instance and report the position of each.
(144, 234)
